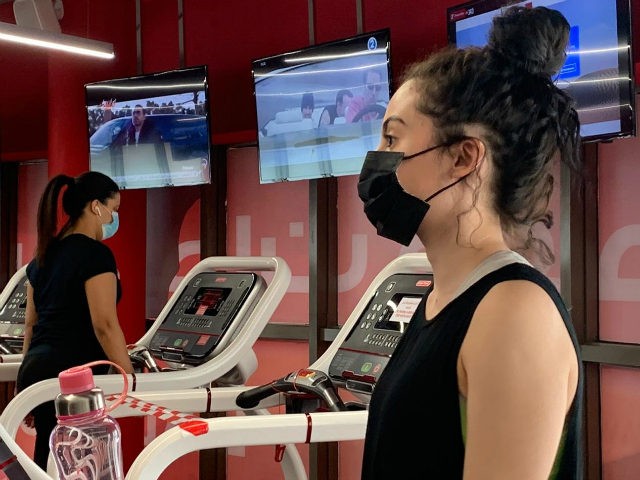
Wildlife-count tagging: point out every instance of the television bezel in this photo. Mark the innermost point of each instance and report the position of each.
(277, 61)
(98, 90)
(625, 57)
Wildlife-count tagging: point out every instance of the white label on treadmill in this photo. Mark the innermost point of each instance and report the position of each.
(406, 309)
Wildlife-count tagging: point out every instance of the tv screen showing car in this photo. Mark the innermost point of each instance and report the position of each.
(320, 109)
(151, 130)
(597, 72)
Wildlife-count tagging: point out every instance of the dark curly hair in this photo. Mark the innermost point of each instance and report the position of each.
(506, 88)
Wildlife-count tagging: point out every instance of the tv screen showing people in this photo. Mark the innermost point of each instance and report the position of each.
(320, 108)
(152, 130)
(597, 72)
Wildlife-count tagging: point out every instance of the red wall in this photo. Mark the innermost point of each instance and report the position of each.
(42, 108)
(224, 35)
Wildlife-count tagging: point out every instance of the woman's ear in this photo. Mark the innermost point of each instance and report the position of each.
(95, 208)
(468, 156)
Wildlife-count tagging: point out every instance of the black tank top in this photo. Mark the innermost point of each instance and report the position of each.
(414, 427)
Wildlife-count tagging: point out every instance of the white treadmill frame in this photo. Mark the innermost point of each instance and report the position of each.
(238, 353)
(267, 429)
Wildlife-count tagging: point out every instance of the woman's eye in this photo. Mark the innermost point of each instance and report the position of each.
(388, 140)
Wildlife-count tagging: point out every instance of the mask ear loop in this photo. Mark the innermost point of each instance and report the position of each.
(426, 200)
(448, 144)
(125, 379)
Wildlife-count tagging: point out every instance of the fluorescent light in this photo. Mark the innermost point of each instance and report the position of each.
(56, 41)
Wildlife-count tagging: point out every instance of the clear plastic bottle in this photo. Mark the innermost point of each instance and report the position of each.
(86, 442)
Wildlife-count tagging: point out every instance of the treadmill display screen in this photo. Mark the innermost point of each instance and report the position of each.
(397, 313)
(207, 301)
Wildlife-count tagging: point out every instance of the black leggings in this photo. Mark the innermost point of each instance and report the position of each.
(33, 369)
(44, 418)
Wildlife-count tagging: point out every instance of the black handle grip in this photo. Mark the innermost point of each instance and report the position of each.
(140, 354)
(250, 398)
(307, 381)
(331, 398)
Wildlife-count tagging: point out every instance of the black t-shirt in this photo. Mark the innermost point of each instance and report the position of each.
(64, 329)
(414, 427)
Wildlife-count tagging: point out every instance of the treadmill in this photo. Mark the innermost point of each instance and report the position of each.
(203, 335)
(207, 311)
(13, 303)
(315, 411)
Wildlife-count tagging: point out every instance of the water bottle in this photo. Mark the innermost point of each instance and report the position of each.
(86, 442)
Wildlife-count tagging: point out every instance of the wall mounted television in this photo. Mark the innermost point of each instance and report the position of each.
(320, 109)
(151, 130)
(598, 71)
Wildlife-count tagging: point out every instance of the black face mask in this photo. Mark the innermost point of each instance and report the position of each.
(396, 214)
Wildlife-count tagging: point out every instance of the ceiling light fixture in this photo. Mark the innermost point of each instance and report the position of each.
(56, 41)
(37, 25)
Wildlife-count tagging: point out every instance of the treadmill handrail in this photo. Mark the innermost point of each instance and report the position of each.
(9, 371)
(200, 400)
(30, 467)
(10, 358)
(40, 392)
(233, 431)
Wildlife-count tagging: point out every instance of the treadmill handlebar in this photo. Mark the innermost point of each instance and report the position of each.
(305, 381)
(140, 354)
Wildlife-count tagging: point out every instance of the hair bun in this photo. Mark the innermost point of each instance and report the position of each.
(533, 39)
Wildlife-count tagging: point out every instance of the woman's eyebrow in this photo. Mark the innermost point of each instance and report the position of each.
(392, 118)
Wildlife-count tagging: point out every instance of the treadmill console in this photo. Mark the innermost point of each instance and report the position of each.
(206, 316)
(364, 354)
(12, 318)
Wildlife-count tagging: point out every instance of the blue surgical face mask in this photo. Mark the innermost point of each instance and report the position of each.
(110, 229)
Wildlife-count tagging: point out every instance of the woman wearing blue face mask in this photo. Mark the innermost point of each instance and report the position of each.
(73, 288)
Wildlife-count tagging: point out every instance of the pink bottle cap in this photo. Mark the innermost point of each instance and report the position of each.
(76, 380)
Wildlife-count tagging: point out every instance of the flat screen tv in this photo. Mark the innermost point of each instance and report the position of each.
(320, 109)
(151, 130)
(598, 71)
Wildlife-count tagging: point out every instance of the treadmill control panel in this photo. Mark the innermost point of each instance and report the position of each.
(366, 351)
(205, 316)
(12, 318)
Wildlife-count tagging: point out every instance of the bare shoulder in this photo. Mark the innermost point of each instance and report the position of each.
(520, 311)
(521, 326)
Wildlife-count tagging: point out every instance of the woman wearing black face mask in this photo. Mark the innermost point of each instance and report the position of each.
(488, 374)
(71, 316)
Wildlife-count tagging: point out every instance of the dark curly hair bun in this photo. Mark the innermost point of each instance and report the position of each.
(533, 39)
